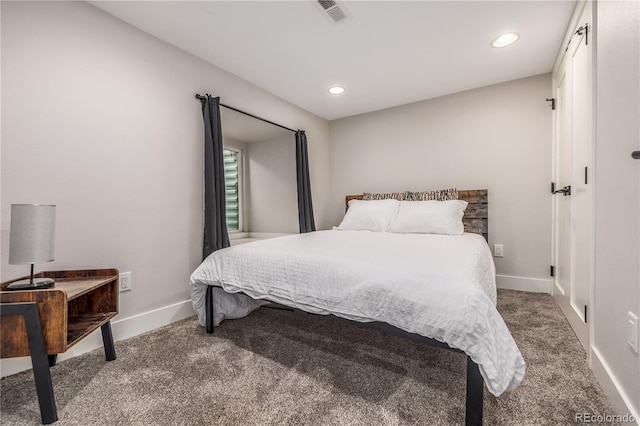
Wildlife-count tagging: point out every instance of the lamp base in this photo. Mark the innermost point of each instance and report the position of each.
(37, 284)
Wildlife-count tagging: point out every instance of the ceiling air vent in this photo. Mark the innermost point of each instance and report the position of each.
(334, 10)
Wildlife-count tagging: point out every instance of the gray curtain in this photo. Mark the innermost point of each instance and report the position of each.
(215, 221)
(305, 206)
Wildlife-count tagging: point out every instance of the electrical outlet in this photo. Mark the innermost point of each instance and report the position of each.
(632, 331)
(125, 281)
(498, 250)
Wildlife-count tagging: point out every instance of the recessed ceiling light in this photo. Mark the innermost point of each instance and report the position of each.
(505, 40)
(336, 90)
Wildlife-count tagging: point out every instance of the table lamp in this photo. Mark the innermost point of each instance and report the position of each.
(31, 241)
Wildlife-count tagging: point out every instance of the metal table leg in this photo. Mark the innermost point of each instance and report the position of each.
(39, 358)
(107, 340)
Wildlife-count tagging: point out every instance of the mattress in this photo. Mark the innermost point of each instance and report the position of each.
(437, 286)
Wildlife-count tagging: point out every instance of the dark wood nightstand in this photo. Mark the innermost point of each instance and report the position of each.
(80, 302)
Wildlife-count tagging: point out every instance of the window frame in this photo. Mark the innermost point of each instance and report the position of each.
(240, 154)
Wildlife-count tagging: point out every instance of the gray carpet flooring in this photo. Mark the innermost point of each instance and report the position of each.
(279, 368)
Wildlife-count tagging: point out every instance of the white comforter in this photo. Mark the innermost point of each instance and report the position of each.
(438, 286)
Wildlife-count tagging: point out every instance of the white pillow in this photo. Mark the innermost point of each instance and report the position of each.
(430, 217)
(375, 215)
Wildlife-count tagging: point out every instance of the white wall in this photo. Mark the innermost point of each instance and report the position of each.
(100, 119)
(497, 137)
(273, 196)
(617, 212)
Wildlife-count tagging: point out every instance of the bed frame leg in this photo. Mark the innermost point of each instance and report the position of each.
(475, 388)
(209, 310)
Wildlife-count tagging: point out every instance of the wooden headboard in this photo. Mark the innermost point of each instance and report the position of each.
(476, 216)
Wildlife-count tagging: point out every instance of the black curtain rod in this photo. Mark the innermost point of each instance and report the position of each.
(200, 97)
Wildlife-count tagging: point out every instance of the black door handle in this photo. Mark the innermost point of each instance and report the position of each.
(564, 191)
(636, 155)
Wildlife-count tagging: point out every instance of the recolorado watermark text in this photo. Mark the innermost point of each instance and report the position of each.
(603, 418)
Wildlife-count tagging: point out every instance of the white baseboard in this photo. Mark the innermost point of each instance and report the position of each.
(264, 235)
(619, 400)
(238, 235)
(121, 329)
(533, 285)
(247, 237)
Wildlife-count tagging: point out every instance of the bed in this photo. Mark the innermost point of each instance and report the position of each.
(434, 288)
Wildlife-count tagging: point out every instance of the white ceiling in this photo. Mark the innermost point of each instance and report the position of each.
(389, 53)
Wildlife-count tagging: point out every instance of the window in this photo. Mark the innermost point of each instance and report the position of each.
(232, 177)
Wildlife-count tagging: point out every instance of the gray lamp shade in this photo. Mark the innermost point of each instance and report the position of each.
(32, 234)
